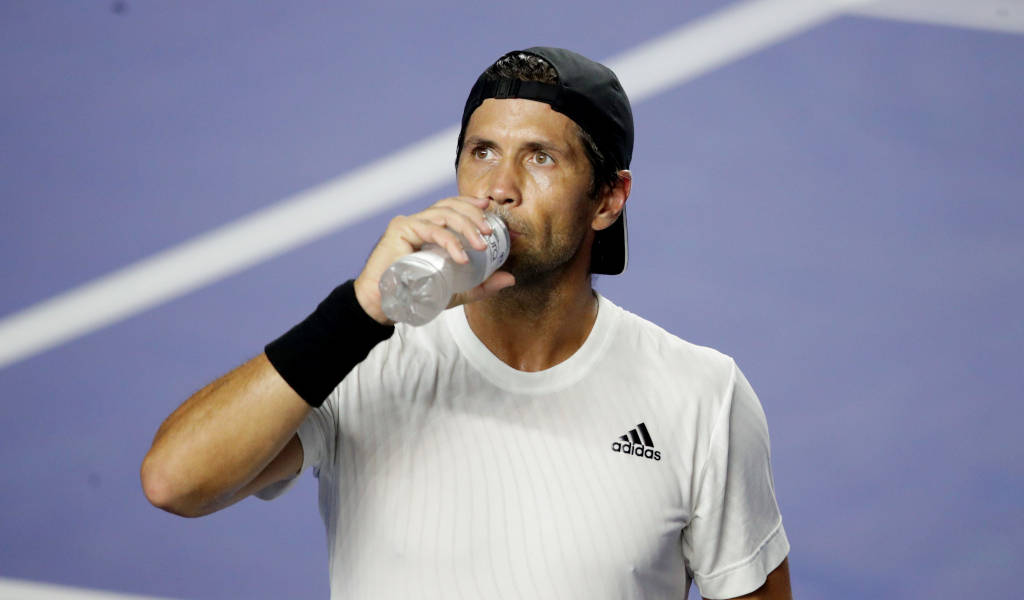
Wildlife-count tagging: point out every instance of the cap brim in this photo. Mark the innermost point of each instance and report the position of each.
(611, 249)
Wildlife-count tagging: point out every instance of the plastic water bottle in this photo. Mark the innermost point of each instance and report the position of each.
(417, 287)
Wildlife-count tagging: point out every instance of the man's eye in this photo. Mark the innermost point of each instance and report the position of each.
(482, 152)
(542, 158)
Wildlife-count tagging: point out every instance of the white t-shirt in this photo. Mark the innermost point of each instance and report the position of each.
(637, 464)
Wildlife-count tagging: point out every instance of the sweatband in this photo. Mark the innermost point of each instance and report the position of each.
(315, 355)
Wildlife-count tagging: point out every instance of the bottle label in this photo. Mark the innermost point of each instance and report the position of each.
(498, 243)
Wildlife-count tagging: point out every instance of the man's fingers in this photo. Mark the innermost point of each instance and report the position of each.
(430, 233)
(452, 222)
(470, 221)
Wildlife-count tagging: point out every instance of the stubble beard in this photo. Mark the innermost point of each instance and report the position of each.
(538, 270)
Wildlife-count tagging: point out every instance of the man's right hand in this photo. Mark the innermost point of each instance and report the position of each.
(435, 225)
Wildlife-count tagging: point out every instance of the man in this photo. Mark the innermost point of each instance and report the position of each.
(536, 440)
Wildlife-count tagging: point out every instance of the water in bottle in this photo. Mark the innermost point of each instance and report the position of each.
(417, 287)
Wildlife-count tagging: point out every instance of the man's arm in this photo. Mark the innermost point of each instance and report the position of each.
(237, 435)
(776, 585)
(230, 439)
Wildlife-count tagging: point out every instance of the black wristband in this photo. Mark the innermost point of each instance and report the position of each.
(315, 355)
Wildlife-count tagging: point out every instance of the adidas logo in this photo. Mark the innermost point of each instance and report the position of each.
(638, 443)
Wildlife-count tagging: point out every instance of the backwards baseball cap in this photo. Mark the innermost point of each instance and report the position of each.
(590, 94)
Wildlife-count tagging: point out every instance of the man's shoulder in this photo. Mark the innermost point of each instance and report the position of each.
(647, 340)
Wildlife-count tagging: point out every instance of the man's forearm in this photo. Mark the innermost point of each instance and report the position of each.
(221, 439)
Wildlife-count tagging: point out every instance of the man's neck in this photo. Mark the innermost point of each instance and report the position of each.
(535, 327)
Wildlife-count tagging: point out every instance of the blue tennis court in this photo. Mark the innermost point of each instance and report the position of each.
(830, 192)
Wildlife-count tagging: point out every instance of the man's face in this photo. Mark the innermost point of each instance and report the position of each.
(528, 160)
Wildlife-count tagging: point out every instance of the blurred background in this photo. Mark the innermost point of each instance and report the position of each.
(830, 192)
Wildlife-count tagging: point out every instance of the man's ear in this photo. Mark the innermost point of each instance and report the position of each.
(613, 201)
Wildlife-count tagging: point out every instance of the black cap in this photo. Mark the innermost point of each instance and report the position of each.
(590, 94)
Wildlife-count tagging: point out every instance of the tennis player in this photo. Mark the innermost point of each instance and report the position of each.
(535, 440)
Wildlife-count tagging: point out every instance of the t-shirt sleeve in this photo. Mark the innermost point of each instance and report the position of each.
(317, 434)
(735, 535)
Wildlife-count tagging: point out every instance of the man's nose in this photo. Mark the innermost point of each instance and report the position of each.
(504, 186)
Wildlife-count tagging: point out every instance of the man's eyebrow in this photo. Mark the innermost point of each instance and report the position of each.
(533, 146)
(478, 141)
(546, 147)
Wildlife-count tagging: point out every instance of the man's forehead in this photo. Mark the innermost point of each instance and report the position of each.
(511, 116)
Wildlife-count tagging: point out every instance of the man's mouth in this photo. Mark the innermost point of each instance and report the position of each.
(513, 226)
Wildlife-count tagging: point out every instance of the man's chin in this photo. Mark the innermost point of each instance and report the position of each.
(530, 273)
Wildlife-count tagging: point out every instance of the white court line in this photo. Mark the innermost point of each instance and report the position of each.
(717, 40)
(15, 589)
(1005, 16)
(647, 70)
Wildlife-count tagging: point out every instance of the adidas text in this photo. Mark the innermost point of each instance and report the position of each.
(636, 450)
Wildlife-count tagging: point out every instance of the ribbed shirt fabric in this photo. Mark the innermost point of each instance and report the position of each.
(445, 473)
